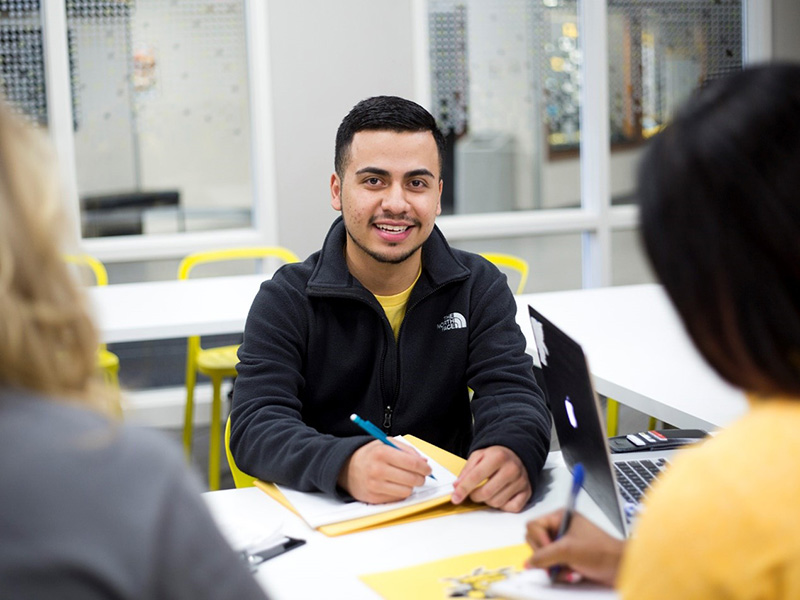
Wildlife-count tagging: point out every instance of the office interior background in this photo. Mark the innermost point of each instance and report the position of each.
(196, 124)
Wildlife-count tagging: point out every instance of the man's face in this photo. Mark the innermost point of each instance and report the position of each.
(389, 195)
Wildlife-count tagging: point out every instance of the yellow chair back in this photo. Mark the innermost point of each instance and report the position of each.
(96, 267)
(107, 361)
(211, 256)
(508, 261)
(255, 252)
(240, 478)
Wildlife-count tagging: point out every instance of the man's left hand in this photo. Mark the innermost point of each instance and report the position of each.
(507, 486)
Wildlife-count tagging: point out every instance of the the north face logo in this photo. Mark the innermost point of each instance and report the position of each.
(452, 321)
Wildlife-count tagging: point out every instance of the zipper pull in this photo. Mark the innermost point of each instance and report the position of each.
(387, 418)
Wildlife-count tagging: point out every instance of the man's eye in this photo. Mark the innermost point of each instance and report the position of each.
(417, 183)
(372, 181)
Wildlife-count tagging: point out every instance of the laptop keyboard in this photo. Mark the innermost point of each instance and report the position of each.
(635, 476)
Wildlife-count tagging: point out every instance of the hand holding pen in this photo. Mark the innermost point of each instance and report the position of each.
(574, 545)
(383, 471)
(376, 433)
(577, 483)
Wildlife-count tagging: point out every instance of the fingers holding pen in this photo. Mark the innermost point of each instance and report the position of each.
(378, 473)
(584, 548)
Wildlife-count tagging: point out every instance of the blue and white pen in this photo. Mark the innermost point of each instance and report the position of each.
(577, 482)
(376, 433)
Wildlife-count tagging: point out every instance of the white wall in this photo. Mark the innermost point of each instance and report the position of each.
(785, 28)
(561, 185)
(325, 57)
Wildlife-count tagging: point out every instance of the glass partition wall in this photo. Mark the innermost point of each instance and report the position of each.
(547, 105)
(162, 127)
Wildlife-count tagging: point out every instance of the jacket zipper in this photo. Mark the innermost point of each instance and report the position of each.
(387, 412)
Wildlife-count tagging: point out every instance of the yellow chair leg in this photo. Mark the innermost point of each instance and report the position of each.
(612, 417)
(651, 424)
(111, 378)
(214, 435)
(188, 415)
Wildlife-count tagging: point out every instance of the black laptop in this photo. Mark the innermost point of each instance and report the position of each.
(615, 482)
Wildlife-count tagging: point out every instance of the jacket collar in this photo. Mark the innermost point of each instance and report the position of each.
(439, 264)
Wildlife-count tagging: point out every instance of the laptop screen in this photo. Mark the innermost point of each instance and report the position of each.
(576, 413)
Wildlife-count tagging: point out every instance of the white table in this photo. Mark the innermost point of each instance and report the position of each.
(329, 567)
(639, 353)
(130, 312)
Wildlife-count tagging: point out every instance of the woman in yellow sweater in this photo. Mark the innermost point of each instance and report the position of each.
(720, 216)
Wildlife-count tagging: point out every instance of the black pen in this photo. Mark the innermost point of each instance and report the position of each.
(254, 559)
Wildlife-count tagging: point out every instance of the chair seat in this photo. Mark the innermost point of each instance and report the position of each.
(220, 361)
(107, 360)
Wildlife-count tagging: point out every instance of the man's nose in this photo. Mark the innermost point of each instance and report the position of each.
(394, 201)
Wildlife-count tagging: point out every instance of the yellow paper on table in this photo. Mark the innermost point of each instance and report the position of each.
(465, 576)
(436, 507)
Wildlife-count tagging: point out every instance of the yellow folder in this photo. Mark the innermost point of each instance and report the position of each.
(437, 507)
(464, 576)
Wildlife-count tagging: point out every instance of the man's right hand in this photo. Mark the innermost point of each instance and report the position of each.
(377, 473)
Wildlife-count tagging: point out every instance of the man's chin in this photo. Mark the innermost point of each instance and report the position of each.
(390, 258)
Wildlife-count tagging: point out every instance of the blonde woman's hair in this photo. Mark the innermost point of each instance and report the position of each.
(48, 343)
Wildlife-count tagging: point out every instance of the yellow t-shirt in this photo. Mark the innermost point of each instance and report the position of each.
(724, 521)
(395, 306)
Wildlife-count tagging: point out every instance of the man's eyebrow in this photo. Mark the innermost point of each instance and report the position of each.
(420, 173)
(384, 173)
(374, 170)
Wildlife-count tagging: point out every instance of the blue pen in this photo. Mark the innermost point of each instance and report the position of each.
(375, 432)
(577, 482)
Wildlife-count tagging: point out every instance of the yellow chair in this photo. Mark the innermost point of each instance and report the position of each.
(510, 262)
(108, 362)
(216, 363)
(612, 418)
(240, 478)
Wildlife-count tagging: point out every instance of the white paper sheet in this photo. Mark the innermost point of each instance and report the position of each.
(534, 584)
(319, 509)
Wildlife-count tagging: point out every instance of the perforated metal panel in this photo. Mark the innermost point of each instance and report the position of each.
(559, 60)
(659, 51)
(448, 53)
(22, 76)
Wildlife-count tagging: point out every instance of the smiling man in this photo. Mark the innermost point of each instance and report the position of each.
(389, 322)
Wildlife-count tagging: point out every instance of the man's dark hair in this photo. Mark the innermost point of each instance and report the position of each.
(720, 216)
(384, 113)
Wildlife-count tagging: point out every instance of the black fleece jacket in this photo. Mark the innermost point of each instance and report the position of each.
(318, 347)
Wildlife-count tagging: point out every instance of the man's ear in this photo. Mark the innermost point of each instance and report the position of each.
(439, 199)
(336, 192)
